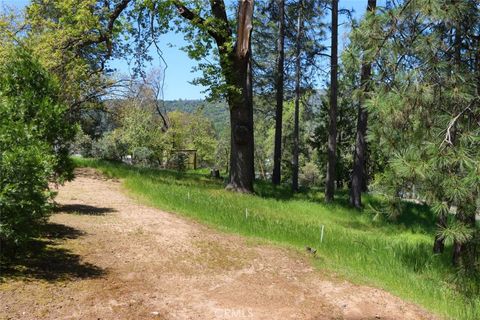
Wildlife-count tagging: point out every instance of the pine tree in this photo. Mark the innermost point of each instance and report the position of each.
(359, 177)
(279, 84)
(298, 75)
(332, 126)
(425, 110)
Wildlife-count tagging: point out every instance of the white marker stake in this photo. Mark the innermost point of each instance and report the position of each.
(321, 235)
(246, 213)
(188, 195)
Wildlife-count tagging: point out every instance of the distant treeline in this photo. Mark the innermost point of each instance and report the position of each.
(217, 112)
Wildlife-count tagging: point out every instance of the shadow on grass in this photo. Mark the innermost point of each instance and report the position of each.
(83, 209)
(419, 257)
(414, 217)
(163, 176)
(268, 190)
(45, 259)
(417, 216)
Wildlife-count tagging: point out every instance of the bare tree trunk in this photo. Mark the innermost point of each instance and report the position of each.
(358, 180)
(332, 127)
(298, 70)
(279, 77)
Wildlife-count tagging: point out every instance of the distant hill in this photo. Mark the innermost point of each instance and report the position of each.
(217, 112)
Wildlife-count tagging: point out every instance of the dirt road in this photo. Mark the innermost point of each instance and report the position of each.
(108, 257)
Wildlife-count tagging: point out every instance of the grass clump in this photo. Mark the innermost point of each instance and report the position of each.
(396, 256)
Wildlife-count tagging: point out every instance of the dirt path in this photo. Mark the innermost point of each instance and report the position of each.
(112, 258)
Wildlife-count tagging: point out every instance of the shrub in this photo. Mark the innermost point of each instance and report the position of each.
(34, 145)
(82, 144)
(179, 161)
(110, 147)
(143, 156)
(309, 175)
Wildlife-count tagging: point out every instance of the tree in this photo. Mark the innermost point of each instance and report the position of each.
(425, 110)
(74, 40)
(332, 126)
(358, 180)
(235, 63)
(298, 74)
(346, 120)
(279, 84)
(141, 132)
(34, 145)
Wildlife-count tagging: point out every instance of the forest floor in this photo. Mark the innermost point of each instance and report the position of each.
(106, 256)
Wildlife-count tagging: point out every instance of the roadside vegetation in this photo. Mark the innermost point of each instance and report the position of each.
(34, 147)
(365, 248)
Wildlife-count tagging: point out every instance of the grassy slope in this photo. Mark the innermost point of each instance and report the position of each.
(394, 256)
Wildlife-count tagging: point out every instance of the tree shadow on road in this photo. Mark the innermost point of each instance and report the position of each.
(47, 258)
(83, 209)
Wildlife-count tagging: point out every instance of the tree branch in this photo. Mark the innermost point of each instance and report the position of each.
(448, 134)
(104, 35)
(201, 22)
(219, 12)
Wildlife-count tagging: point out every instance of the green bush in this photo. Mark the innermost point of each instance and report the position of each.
(143, 156)
(179, 161)
(310, 175)
(35, 138)
(110, 147)
(138, 139)
(82, 144)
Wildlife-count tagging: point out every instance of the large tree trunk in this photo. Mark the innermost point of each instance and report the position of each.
(238, 74)
(298, 70)
(332, 127)
(242, 147)
(358, 179)
(279, 75)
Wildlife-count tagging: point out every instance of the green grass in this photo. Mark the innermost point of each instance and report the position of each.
(396, 256)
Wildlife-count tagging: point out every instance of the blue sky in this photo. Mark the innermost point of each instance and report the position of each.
(179, 72)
